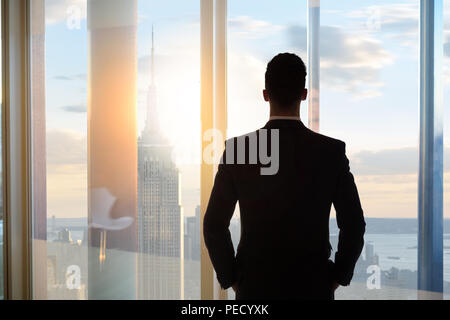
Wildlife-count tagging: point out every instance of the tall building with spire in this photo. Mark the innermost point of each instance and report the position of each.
(160, 226)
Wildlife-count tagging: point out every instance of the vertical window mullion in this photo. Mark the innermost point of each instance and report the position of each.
(220, 87)
(207, 123)
(313, 64)
(17, 149)
(430, 188)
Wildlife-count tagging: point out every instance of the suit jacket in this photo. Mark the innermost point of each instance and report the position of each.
(284, 248)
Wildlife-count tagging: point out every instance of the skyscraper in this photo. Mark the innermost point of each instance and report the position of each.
(192, 235)
(160, 232)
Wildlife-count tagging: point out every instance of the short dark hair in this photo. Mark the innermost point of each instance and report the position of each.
(285, 78)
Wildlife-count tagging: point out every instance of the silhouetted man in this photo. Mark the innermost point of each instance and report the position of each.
(285, 177)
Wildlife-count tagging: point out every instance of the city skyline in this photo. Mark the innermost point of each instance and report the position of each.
(392, 241)
(382, 152)
(116, 148)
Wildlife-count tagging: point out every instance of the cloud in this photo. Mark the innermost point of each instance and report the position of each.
(387, 181)
(401, 161)
(66, 148)
(349, 62)
(245, 85)
(400, 22)
(447, 48)
(398, 19)
(65, 78)
(385, 162)
(57, 11)
(75, 108)
(80, 76)
(248, 27)
(66, 173)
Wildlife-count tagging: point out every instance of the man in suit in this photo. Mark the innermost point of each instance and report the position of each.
(284, 248)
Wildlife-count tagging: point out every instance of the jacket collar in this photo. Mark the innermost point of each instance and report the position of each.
(281, 123)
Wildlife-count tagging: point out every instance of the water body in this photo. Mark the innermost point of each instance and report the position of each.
(404, 247)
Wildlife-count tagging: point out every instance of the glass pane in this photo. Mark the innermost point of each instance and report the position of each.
(369, 99)
(116, 124)
(369, 70)
(256, 33)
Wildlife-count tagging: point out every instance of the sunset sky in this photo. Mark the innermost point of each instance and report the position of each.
(369, 90)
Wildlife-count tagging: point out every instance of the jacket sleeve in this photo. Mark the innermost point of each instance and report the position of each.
(350, 221)
(215, 227)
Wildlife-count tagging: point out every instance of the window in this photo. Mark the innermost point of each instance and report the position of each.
(369, 99)
(256, 33)
(116, 120)
(115, 116)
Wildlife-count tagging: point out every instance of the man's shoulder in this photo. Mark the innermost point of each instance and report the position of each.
(317, 140)
(249, 134)
(326, 141)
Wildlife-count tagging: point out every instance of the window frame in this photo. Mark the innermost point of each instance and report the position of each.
(16, 151)
(16, 130)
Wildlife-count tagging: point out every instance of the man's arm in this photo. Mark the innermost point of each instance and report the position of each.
(350, 220)
(215, 227)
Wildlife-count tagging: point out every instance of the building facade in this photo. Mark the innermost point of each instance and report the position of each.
(160, 227)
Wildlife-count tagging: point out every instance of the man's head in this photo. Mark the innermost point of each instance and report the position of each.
(285, 82)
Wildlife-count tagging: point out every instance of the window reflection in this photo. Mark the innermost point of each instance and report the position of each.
(115, 105)
(115, 175)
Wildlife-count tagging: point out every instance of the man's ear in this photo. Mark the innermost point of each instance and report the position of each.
(304, 94)
(266, 95)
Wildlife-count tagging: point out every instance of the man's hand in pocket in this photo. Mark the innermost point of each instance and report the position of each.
(334, 286)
